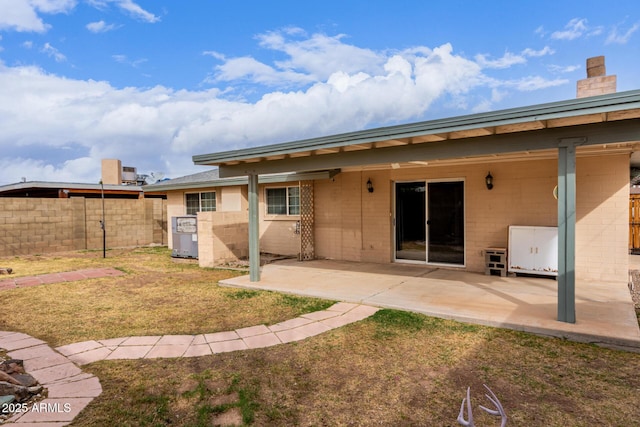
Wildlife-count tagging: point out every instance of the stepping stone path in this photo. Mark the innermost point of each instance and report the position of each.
(71, 390)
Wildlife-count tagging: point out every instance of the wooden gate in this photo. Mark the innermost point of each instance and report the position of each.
(634, 223)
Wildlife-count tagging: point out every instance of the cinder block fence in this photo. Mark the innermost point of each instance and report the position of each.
(40, 225)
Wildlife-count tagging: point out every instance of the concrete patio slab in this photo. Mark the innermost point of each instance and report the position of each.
(604, 310)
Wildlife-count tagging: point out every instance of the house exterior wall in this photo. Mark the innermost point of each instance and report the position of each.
(278, 233)
(353, 224)
(41, 225)
(223, 237)
(602, 210)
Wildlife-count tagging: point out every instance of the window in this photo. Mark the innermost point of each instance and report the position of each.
(200, 202)
(283, 201)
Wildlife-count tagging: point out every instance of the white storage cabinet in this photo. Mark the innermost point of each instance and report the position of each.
(533, 250)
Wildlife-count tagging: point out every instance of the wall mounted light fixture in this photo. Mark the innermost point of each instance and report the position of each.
(369, 186)
(489, 181)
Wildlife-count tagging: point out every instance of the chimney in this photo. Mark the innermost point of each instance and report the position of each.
(111, 171)
(597, 81)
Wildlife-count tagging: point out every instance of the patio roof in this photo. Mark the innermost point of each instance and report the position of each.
(538, 127)
(211, 178)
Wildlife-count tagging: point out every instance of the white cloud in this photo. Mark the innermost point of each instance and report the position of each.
(21, 15)
(25, 15)
(537, 53)
(136, 11)
(309, 59)
(574, 29)
(621, 38)
(54, 53)
(507, 60)
(563, 68)
(100, 27)
(247, 68)
(123, 59)
(531, 83)
(56, 128)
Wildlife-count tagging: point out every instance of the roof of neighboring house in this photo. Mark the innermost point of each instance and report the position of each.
(211, 178)
(67, 189)
(590, 110)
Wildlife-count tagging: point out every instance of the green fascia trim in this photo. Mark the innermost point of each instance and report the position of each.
(263, 179)
(619, 131)
(575, 107)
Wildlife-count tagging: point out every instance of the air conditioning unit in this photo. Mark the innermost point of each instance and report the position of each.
(184, 231)
(129, 174)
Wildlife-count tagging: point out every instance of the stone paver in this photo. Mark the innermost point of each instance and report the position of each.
(260, 341)
(130, 352)
(252, 331)
(221, 336)
(71, 390)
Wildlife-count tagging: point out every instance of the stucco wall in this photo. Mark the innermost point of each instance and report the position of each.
(222, 237)
(38, 225)
(353, 224)
(277, 232)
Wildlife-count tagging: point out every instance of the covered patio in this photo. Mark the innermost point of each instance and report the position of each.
(562, 165)
(605, 311)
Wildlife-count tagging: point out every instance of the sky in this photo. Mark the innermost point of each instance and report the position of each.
(154, 82)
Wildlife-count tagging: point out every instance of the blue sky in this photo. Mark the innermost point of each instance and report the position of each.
(154, 82)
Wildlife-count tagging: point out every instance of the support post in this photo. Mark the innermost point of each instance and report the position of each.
(567, 232)
(254, 233)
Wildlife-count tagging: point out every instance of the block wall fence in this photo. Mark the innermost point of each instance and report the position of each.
(39, 225)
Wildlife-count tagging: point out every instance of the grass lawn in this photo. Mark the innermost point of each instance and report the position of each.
(394, 368)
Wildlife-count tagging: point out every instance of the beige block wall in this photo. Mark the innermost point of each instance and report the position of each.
(602, 231)
(352, 224)
(36, 225)
(222, 237)
(176, 204)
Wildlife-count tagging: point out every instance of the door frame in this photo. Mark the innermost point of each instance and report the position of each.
(426, 210)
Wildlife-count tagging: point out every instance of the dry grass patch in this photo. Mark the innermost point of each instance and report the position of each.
(393, 369)
(156, 296)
